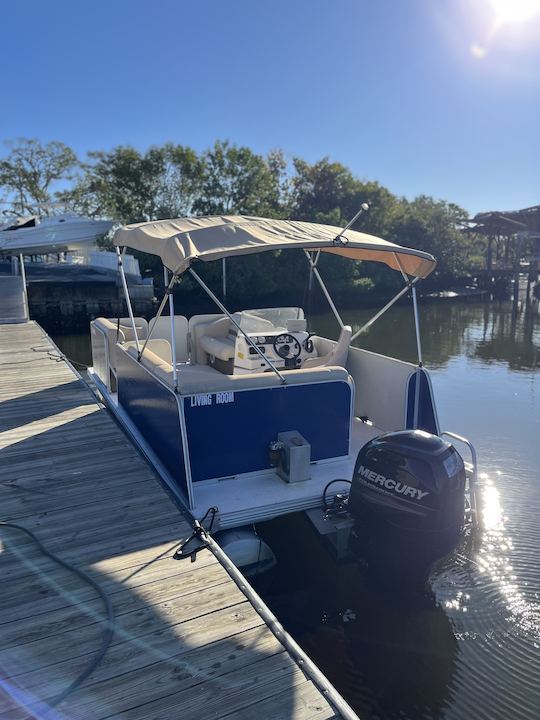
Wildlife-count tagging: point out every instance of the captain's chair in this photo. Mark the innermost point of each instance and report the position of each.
(338, 354)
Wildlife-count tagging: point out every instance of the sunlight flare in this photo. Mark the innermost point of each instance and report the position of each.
(514, 11)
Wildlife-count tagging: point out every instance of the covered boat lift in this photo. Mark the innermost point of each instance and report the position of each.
(513, 242)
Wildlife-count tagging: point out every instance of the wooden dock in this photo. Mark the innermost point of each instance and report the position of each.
(187, 643)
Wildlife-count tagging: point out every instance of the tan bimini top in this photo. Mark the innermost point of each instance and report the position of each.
(179, 242)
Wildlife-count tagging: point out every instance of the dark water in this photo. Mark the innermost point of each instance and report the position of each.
(472, 650)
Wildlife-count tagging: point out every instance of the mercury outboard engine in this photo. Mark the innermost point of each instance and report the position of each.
(408, 502)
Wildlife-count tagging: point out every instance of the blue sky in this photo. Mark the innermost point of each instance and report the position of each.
(426, 96)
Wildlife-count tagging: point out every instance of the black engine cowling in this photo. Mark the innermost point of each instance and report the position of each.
(408, 502)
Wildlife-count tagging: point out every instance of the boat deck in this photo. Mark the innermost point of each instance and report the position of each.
(257, 496)
(270, 496)
(187, 643)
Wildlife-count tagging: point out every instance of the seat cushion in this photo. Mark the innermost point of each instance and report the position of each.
(222, 348)
(161, 348)
(218, 328)
(161, 328)
(141, 326)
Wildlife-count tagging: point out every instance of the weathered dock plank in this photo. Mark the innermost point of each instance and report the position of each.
(186, 641)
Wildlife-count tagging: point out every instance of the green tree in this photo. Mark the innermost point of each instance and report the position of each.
(433, 225)
(174, 181)
(31, 169)
(327, 192)
(238, 181)
(123, 184)
(132, 187)
(181, 180)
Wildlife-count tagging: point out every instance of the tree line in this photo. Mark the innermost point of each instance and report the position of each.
(173, 180)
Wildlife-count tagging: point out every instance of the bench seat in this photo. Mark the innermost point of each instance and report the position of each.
(196, 379)
(222, 348)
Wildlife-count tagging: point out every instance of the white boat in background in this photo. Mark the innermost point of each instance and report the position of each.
(60, 240)
(60, 233)
(250, 415)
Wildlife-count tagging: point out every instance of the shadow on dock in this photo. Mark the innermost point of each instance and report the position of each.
(186, 641)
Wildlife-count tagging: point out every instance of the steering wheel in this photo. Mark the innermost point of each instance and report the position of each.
(287, 347)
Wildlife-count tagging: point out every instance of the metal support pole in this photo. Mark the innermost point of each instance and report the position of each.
(22, 269)
(416, 325)
(224, 278)
(404, 274)
(419, 369)
(160, 310)
(310, 280)
(382, 311)
(222, 307)
(418, 343)
(173, 333)
(323, 287)
(23, 275)
(128, 301)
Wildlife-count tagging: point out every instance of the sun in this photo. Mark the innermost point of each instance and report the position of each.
(506, 15)
(514, 11)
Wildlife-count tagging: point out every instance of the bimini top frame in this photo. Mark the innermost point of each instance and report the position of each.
(179, 242)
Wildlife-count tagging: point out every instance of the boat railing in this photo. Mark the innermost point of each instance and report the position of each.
(472, 474)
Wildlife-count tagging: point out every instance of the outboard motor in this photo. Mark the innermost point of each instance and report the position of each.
(408, 502)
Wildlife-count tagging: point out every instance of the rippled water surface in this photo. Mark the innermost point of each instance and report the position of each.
(472, 650)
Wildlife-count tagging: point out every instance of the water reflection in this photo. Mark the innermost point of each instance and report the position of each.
(483, 589)
(401, 654)
(488, 331)
(478, 642)
(392, 656)
(495, 558)
(470, 648)
(513, 337)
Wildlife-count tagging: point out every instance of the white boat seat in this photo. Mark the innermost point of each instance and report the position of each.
(141, 326)
(218, 347)
(337, 356)
(160, 329)
(193, 379)
(161, 348)
(216, 329)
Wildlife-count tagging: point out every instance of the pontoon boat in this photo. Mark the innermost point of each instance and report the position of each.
(251, 414)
